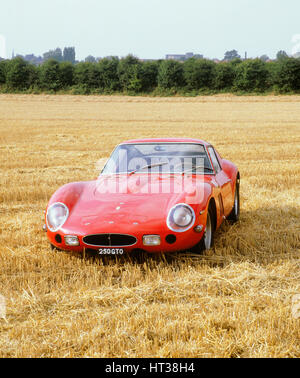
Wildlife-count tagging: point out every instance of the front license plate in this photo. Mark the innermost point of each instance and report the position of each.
(111, 251)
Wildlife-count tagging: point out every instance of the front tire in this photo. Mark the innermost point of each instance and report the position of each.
(207, 240)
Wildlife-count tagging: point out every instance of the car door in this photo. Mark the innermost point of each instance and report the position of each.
(223, 181)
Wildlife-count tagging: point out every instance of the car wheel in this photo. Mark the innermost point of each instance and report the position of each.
(235, 212)
(207, 240)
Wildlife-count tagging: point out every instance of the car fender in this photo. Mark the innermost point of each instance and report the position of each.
(68, 194)
(209, 192)
(231, 171)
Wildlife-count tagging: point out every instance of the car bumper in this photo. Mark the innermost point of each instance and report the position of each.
(169, 241)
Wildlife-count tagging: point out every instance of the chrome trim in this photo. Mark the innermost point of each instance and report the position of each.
(220, 165)
(198, 228)
(66, 237)
(157, 236)
(67, 216)
(183, 228)
(107, 233)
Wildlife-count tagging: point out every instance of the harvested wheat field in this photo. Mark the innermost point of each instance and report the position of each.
(236, 301)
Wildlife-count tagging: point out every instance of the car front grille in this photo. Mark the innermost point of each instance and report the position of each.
(110, 240)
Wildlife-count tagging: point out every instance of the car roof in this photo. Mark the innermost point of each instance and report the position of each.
(166, 140)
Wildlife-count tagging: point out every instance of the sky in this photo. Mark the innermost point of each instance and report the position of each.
(150, 28)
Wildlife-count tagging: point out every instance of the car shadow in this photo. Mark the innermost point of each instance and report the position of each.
(262, 235)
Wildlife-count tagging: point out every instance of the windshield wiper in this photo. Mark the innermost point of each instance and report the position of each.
(147, 167)
(197, 167)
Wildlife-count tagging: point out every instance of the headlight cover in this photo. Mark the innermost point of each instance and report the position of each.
(71, 240)
(151, 240)
(56, 216)
(181, 218)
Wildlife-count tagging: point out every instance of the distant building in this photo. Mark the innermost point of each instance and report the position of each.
(189, 55)
(183, 57)
(31, 58)
(175, 57)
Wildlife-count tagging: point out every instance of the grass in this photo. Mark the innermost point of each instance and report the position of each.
(234, 301)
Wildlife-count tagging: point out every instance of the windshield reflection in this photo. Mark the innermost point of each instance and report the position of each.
(159, 158)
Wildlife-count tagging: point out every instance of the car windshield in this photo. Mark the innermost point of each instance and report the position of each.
(159, 158)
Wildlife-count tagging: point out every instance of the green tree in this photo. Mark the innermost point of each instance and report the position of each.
(3, 71)
(69, 54)
(108, 71)
(224, 76)
(235, 62)
(87, 75)
(199, 73)
(33, 75)
(170, 74)
(66, 73)
(273, 69)
(18, 74)
(281, 55)
(232, 54)
(252, 75)
(50, 75)
(90, 59)
(149, 75)
(130, 74)
(264, 58)
(288, 75)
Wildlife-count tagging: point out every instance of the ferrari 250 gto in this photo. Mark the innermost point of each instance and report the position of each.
(153, 195)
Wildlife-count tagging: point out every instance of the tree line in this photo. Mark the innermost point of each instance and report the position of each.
(167, 77)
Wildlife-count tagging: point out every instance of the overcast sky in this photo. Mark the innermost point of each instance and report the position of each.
(150, 28)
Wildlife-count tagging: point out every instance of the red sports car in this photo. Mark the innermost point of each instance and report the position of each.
(155, 195)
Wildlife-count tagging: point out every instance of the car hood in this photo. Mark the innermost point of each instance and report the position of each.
(126, 201)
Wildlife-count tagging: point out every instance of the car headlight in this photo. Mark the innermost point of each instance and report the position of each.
(56, 216)
(181, 218)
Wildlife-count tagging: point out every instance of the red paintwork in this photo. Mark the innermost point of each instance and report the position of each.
(91, 212)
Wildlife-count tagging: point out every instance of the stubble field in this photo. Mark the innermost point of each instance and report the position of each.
(235, 301)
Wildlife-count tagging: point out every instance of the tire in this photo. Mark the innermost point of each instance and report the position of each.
(207, 240)
(234, 216)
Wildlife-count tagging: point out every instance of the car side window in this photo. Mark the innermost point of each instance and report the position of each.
(214, 159)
